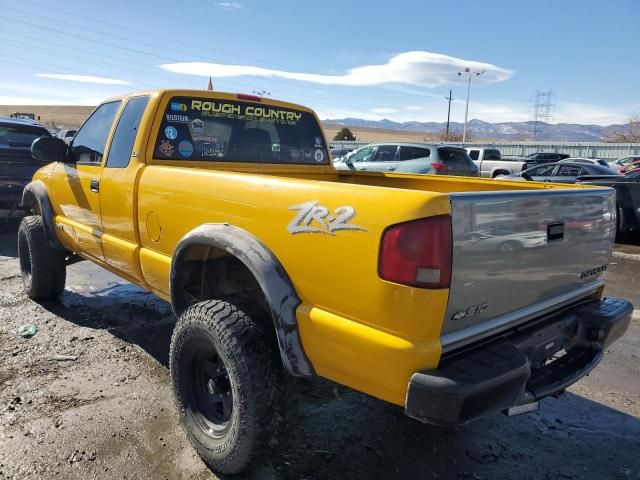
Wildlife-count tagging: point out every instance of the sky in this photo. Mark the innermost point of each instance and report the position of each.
(365, 59)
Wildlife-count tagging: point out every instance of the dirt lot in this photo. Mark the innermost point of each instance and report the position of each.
(109, 414)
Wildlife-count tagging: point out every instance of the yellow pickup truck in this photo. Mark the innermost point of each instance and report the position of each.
(452, 297)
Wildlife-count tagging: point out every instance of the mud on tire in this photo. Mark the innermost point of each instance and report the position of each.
(42, 267)
(233, 395)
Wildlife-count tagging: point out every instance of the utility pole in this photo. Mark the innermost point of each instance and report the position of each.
(449, 98)
(470, 75)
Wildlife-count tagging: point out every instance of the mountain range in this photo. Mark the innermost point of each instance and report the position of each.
(508, 131)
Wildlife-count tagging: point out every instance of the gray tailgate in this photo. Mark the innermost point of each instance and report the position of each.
(520, 254)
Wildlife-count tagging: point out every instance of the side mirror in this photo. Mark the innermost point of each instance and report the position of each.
(49, 149)
(526, 176)
(347, 160)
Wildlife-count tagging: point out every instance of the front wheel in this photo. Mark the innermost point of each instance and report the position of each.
(43, 267)
(229, 385)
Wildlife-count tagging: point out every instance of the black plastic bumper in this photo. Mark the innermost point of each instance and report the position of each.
(526, 365)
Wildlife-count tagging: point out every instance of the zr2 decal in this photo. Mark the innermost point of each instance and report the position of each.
(315, 218)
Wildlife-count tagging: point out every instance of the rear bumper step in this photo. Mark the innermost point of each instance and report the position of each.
(534, 362)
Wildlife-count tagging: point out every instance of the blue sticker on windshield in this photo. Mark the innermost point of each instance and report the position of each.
(185, 148)
(171, 133)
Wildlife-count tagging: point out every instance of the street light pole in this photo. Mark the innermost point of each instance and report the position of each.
(469, 74)
(449, 98)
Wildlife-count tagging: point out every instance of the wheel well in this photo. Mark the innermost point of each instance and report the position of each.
(499, 172)
(206, 272)
(30, 201)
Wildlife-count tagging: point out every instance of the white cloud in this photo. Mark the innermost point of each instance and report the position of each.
(413, 107)
(83, 78)
(229, 6)
(567, 112)
(418, 68)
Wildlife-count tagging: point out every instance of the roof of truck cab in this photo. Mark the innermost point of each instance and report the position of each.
(210, 94)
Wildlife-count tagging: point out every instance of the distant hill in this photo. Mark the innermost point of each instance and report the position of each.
(72, 116)
(509, 131)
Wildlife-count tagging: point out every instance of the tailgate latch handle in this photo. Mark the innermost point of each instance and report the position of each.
(555, 231)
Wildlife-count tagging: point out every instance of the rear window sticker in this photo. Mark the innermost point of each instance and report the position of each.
(171, 133)
(185, 147)
(166, 148)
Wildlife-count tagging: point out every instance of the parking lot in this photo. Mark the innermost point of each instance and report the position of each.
(89, 397)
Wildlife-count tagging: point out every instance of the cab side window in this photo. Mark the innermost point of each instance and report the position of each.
(90, 141)
(125, 134)
(474, 154)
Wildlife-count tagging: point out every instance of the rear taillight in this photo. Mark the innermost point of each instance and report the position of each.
(440, 167)
(417, 253)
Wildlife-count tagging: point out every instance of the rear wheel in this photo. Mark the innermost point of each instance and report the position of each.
(42, 267)
(229, 384)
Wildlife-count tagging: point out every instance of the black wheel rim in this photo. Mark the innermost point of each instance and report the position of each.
(211, 392)
(25, 258)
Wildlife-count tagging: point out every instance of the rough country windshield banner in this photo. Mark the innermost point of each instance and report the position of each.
(219, 130)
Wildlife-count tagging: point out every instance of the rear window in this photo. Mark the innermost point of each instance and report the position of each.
(20, 135)
(219, 130)
(454, 156)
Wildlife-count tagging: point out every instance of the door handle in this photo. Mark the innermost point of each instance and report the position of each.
(94, 186)
(391, 169)
(361, 168)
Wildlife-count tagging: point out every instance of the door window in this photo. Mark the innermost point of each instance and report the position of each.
(541, 171)
(385, 153)
(411, 153)
(362, 155)
(474, 154)
(125, 134)
(569, 171)
(90, 141)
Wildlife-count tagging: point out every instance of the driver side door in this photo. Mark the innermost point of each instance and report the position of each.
(76, 184)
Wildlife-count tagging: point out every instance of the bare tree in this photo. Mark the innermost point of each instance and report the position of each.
(631, 134)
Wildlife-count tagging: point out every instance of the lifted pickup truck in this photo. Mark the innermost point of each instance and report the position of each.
(279, 266)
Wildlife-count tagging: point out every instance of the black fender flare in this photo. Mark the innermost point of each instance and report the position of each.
(271, 276)
(36, 192)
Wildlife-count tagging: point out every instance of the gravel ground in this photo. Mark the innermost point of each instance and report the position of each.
(89, 397)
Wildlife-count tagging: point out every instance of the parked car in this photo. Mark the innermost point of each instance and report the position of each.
(66, 135)
(593, 161)
(559, 172)
(491, 164)
(17, 165)
(627, 189)
(630, 166)
(621, 163)
(360, 279)
(410, 158)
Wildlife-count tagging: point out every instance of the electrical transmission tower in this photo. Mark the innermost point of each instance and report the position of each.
(541, 111)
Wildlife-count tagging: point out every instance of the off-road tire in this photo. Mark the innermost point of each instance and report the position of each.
(262, 399)
(42, 266)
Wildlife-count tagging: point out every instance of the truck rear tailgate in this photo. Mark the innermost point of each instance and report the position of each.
(520, 254)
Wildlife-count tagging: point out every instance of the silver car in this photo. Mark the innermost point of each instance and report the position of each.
(409, 158)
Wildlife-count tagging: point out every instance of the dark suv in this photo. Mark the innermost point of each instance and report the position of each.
(16, 163)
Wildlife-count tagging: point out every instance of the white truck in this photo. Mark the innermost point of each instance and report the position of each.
(491, 163)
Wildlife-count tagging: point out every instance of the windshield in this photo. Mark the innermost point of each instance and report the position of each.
(21, 135)
(221, 130)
